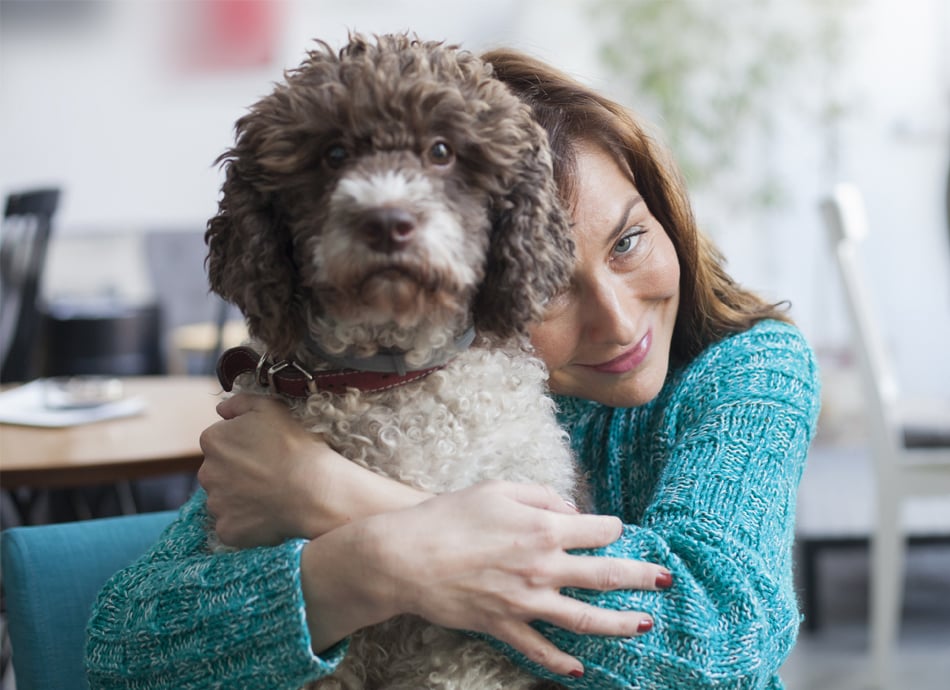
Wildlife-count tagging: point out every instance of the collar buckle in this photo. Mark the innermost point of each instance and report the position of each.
(265, 374)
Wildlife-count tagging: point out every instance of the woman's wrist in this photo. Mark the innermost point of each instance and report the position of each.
(344, 584)
(349, 493)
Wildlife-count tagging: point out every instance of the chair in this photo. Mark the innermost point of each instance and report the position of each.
(51, 576)
(203, 343)
(199, 324)
(27, 223)
(910, 453)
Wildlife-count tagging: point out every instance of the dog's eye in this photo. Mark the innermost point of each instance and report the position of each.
(440, 153)
(335, 155)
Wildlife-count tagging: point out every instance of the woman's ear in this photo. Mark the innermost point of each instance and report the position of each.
(250, 262)
(531, 253)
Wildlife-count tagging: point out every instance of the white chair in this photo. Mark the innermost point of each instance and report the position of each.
(910, 444)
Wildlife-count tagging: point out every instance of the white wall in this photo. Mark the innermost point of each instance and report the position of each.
(898, 151)
(96, 107)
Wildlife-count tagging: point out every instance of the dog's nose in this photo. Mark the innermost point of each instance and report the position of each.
(388, 229)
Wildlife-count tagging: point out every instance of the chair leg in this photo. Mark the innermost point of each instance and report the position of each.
(888, 551)
(809, 565)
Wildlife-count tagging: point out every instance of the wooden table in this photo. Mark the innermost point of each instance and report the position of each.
(162, 440)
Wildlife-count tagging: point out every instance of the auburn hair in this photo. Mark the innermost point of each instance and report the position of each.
(712, 305)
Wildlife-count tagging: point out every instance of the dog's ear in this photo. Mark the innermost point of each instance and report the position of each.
(531, 253)
(250, 261)
(251, 253)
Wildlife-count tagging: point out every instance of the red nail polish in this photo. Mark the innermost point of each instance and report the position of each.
(576, 673)
(646, 625)
(664, 580)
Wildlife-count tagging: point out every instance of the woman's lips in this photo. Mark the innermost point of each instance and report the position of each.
(629, 360)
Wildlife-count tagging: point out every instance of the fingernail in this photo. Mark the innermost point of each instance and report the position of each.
(646, 625)
(664, 580)
(576, 673)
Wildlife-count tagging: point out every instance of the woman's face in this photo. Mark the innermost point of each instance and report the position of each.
(607, 338)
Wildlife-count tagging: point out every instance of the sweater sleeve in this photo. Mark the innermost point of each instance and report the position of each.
(728, 438)
(183, 617)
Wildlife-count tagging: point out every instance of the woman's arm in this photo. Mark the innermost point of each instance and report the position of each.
(182, 617)
(709, 472)
(268, 479)
(491, 558)
(731, 437)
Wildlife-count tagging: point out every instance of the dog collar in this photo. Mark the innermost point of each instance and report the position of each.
(289, 379)
(394, 361)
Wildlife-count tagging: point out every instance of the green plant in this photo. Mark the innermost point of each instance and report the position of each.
(714, 74)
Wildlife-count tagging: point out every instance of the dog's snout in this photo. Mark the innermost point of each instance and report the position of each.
(388, 229)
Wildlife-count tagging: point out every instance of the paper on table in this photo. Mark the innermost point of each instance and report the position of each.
(25, 405)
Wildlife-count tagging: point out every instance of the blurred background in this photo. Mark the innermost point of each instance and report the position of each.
(123, 106)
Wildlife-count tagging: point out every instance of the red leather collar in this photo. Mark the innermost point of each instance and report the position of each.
(289, 379)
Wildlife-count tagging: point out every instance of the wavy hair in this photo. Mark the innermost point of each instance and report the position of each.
(712, 304)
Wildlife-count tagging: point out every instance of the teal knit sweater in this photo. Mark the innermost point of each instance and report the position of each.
(705, 477)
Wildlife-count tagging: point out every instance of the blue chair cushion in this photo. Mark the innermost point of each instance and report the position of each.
(51, 576)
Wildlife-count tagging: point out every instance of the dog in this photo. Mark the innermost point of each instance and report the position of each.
(390, 227)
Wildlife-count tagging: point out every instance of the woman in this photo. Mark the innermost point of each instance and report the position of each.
(690, 402)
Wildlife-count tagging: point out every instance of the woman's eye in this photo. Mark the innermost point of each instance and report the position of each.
(440, 153)
(335, 155)
(629, 241)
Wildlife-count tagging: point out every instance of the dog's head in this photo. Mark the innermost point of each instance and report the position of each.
(392, 184)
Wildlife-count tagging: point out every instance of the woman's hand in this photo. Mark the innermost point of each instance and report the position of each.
(268, 479)
(491, 558)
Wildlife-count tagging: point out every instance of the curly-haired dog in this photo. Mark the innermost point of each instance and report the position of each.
(389, 226)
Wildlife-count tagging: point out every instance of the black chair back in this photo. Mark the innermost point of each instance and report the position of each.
(27, 224)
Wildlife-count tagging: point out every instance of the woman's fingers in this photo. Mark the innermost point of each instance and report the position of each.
(577, 617)
(236, 405)
(499, 561)
(587, 531)
(587, 619)
(539, 649)
(606, 574)
(563, 525)
(535, 495)
(242, 403)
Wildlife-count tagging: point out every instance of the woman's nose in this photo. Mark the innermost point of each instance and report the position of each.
(609, 314)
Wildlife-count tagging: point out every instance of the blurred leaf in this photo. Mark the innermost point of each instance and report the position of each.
(711, 72)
